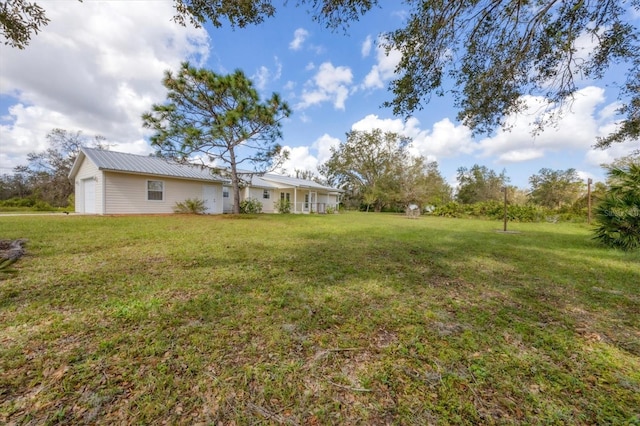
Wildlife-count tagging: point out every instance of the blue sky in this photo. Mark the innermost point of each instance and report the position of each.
(98, 66)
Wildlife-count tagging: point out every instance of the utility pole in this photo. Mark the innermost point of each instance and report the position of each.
(589, 182)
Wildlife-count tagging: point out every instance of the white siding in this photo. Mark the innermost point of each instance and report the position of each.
(88, 170)
(212, 196)
(227, 203)
(89, 195)
(127, 193)
(267, 204)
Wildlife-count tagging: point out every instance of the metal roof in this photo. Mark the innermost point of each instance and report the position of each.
(295, 182)
(146, 165)
(139, 164)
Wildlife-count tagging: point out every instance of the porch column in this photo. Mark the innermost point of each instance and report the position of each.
(295, 199)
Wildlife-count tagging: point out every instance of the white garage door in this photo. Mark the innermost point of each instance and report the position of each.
(89, 186)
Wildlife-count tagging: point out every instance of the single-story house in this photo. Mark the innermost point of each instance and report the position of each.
(109, 182)
(304, 196)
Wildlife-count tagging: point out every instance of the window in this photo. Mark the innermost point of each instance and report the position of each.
(225, 192)
(266, 194)
(155, 190)
(285, 196)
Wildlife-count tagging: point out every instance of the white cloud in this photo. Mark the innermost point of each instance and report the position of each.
(384, 69)
(597, 157)
(577, 129)
(261, 77)
(372, 121)
(300, 158)
(366, 46)
(520, 155)
(309, 157)
(97, 67)
(329, 84)
(373, 80)
(278, 73)
(304, 117)
(445, 139)
(299, 36)
(323, 146)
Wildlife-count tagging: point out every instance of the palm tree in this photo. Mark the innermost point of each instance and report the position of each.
(618, 213)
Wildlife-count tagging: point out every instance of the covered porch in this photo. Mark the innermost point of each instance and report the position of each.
(310, 200)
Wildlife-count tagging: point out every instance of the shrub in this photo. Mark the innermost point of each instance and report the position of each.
(451, 209)
(493, 210)
(521, 213)
(282, 206)
(42, 206)
(190, 205)
(18, 202)
(250, 206)
(618, 214)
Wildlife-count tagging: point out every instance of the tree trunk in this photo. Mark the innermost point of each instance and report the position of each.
(235, 184)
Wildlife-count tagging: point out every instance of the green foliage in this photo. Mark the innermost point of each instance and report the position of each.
(215, 115)
(479, 184)
(30, 204)
(555, 188)
(42, 206)
(618, 213)
(46, 176)
(237, 13)
(378, 172)
(495, 210)
(505, 50)
(420, 183)
(450, 209)
(523, 213)
(282, 206)
(367, 164)
(250, 206)
(19, 19)
(18, 202)
(191, 206)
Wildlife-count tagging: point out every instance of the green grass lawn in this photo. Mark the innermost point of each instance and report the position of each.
(341, 319)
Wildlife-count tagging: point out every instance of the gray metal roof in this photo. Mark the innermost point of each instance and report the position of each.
(140, 164)
(295, 182)
(156, 166)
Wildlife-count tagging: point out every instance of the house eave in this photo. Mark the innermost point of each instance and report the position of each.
(76, 165)
(213, 180)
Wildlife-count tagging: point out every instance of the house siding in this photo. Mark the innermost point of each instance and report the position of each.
(127, 193)
(88, 170)
(267, 204)
(116, 183)
(227, 203)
